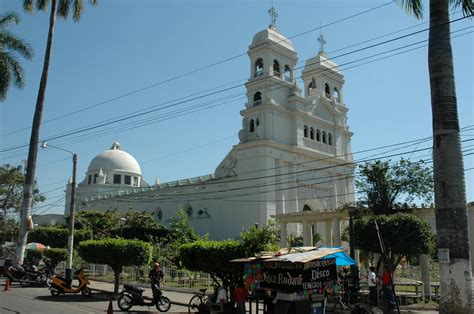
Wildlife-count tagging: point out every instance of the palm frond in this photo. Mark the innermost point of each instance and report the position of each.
(63, 8)
(16, 70)
(414, 7)
(5, 78)
(9, 18)
(78, 8)
(10, 41)
(28, 5)
(42, 5)
(467, 6)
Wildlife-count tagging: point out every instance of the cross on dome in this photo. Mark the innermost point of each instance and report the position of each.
(273, 16)
(322, 42)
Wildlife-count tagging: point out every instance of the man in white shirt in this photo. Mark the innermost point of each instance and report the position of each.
(222, 297)
(372, 282)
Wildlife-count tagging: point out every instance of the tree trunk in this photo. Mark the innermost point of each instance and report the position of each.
(117, 280)
(450, 193)
(33, 149)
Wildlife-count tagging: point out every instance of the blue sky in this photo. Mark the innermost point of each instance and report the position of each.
(124, 46)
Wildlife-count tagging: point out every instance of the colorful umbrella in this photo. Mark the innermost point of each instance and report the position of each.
(35, 246)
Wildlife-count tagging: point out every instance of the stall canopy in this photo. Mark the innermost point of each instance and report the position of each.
(342, 259)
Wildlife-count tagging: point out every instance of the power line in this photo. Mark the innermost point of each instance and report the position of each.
(154, 109)
(196, 70)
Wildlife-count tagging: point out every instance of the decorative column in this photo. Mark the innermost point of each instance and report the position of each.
(283, 235)
(336, 231)
(327, 230)
(425, 275)
(307, 234)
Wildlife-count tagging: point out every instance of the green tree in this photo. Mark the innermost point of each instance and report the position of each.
(57, 237)
(61, 8)
(403, 234)
(213, 258)
(12, 179)
(11, 196)
(10, 47)
(54, 256)
(449, 185)
(116, 253)
(385, 187)
(144, 219)
(102, 223)
(259, 239)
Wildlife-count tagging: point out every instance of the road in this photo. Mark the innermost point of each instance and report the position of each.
(39, 300)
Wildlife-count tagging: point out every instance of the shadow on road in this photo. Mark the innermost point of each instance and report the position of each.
(96, 297)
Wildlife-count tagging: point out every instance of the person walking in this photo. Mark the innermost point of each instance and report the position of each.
(387, 280)
(156, 276)
(240, 298)
(372, 282)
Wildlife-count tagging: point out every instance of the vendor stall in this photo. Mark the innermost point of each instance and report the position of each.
(292, 280)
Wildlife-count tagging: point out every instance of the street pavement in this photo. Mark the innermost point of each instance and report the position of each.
(39, 300)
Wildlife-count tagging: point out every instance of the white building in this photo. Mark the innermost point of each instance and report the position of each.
(294, 153)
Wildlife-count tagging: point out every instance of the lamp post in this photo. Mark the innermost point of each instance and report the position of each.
(122, 222)
(70, 242)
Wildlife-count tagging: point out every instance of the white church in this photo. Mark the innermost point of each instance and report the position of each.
(293, 156)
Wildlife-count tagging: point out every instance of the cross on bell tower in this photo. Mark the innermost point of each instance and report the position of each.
(322, 42)
(273, 16)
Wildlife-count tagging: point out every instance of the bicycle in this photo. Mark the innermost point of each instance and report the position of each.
(199, 302)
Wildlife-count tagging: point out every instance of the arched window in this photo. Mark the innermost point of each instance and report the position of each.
(287, 73)
(312, 87)
(276, 68)
(324, 137)
(252, 125)
(327, 90)
(258, 67)
(318, 135)
(329, 139)
(335, 94)
(311, 133)
(305, 131)
(257, 122)
(257, 99)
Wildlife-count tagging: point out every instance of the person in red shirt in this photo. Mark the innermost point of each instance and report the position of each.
(387, 287)
(240, 298)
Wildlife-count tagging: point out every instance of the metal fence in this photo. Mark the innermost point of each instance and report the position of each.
(139, 275)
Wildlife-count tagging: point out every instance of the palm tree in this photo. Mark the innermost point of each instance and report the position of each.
(10, 45)
(450, 191)
(61, 8)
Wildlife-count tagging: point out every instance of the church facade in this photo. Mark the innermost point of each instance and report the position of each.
(294, 153)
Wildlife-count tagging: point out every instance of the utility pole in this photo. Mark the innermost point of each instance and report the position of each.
(72, 206)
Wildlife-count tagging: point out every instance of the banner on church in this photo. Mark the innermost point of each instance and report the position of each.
(298, 276)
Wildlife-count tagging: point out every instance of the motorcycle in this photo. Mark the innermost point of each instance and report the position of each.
(15, 273)
(133, 295)
(62, 285)
(37, 277)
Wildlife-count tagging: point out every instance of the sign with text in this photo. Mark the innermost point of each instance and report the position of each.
(298, 276)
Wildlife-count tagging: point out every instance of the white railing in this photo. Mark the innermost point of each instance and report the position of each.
(319, 146)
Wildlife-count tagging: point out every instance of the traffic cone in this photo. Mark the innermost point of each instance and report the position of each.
(110, 309)
(7, 285)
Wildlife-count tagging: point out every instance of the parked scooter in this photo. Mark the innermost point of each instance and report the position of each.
(133, 295)
(62, 285)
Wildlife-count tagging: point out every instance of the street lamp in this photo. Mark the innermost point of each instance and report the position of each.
(70, 243)
(122, 222)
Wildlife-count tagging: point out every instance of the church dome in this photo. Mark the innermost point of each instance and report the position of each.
(271, 35)
(114, 159)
